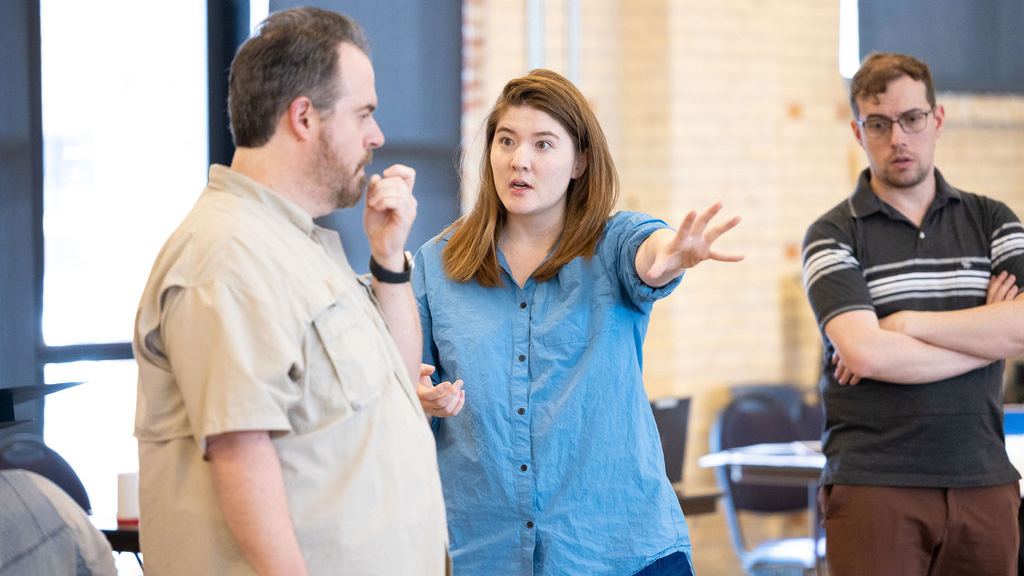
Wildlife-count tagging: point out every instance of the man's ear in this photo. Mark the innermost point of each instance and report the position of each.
(857, 133)
(302, 118)
(940, 117)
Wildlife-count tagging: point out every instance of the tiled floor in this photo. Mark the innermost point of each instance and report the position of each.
(712, 553)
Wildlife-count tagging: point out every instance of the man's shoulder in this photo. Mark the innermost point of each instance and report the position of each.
(835, 220)
(840, 212)
(991, 216)
(945, 189)
(240, 227)
(230, 240)
(980, 200)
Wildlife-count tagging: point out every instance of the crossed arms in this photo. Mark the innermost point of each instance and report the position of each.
(912, 347)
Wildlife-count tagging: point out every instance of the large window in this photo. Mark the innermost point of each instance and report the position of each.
(132, 115)
(970, 45)
(124, 107)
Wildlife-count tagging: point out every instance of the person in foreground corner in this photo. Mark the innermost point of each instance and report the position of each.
(915, 287)
(278, 424)
(43, 531)
(538, 301)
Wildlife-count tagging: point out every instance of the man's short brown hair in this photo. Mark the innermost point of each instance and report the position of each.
(293, 53)
(879, 69)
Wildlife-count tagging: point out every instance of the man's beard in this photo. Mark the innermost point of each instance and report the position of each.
(339, 181)
(902, 178)
(897, 179)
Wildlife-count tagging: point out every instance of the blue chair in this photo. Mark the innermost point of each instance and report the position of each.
(755, 417)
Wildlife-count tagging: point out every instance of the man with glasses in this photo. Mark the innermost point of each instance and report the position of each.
(915, 286)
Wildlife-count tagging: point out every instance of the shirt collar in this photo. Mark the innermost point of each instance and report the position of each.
(225, 179)
(864, 202)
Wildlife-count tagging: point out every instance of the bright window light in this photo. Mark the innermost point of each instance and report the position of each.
(125, 155)
(258, 12)
(849, 38)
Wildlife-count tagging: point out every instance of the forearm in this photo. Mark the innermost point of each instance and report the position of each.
(994, 331)
(247, 479)
(399, 307)
(647, 254)
(387, 219)
(665, 254)
(900, 359)
(884, 355)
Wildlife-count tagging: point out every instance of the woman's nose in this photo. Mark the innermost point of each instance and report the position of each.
(519, 159)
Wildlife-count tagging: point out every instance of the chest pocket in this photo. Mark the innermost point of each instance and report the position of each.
(576, 308)
(357, 364)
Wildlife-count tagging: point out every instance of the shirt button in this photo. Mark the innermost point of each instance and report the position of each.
(522, 358)
(523, 467)
(529, 524)
(521, 411)
(522, 304)
(921, 235)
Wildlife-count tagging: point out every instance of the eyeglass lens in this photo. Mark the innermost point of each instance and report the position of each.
(910, 122)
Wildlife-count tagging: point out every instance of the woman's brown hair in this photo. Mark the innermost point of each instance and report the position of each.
(472, 250)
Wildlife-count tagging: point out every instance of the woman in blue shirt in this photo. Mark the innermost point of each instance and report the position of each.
(538, 300)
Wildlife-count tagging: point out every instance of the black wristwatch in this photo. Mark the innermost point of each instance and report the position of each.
(387, 276)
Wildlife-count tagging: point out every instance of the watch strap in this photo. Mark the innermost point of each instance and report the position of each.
(389, 277)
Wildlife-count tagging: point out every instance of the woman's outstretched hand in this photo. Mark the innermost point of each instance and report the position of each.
(670, 254)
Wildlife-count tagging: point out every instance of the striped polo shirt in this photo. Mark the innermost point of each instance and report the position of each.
(865, 255)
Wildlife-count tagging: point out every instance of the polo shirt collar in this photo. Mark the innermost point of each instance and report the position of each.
(865, 202)
(226, 179)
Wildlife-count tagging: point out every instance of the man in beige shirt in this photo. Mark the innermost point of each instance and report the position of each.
(279, 431)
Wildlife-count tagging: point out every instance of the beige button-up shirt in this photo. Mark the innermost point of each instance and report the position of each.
(252, 319)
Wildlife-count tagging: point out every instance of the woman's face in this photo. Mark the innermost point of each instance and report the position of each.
(533, 159)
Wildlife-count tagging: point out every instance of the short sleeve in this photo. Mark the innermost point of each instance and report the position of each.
(1007, 249)
(624, 234)
(231, 360)
(832, 275)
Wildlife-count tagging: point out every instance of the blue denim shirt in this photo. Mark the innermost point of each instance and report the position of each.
(554, 465)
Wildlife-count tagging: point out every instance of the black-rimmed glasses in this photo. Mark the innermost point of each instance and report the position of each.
(911, 122)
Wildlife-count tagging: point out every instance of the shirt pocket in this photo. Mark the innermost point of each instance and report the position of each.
(352, 354)
(577, 309)
(576, 324)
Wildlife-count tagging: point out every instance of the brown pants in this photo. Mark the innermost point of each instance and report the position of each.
(881, 531)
